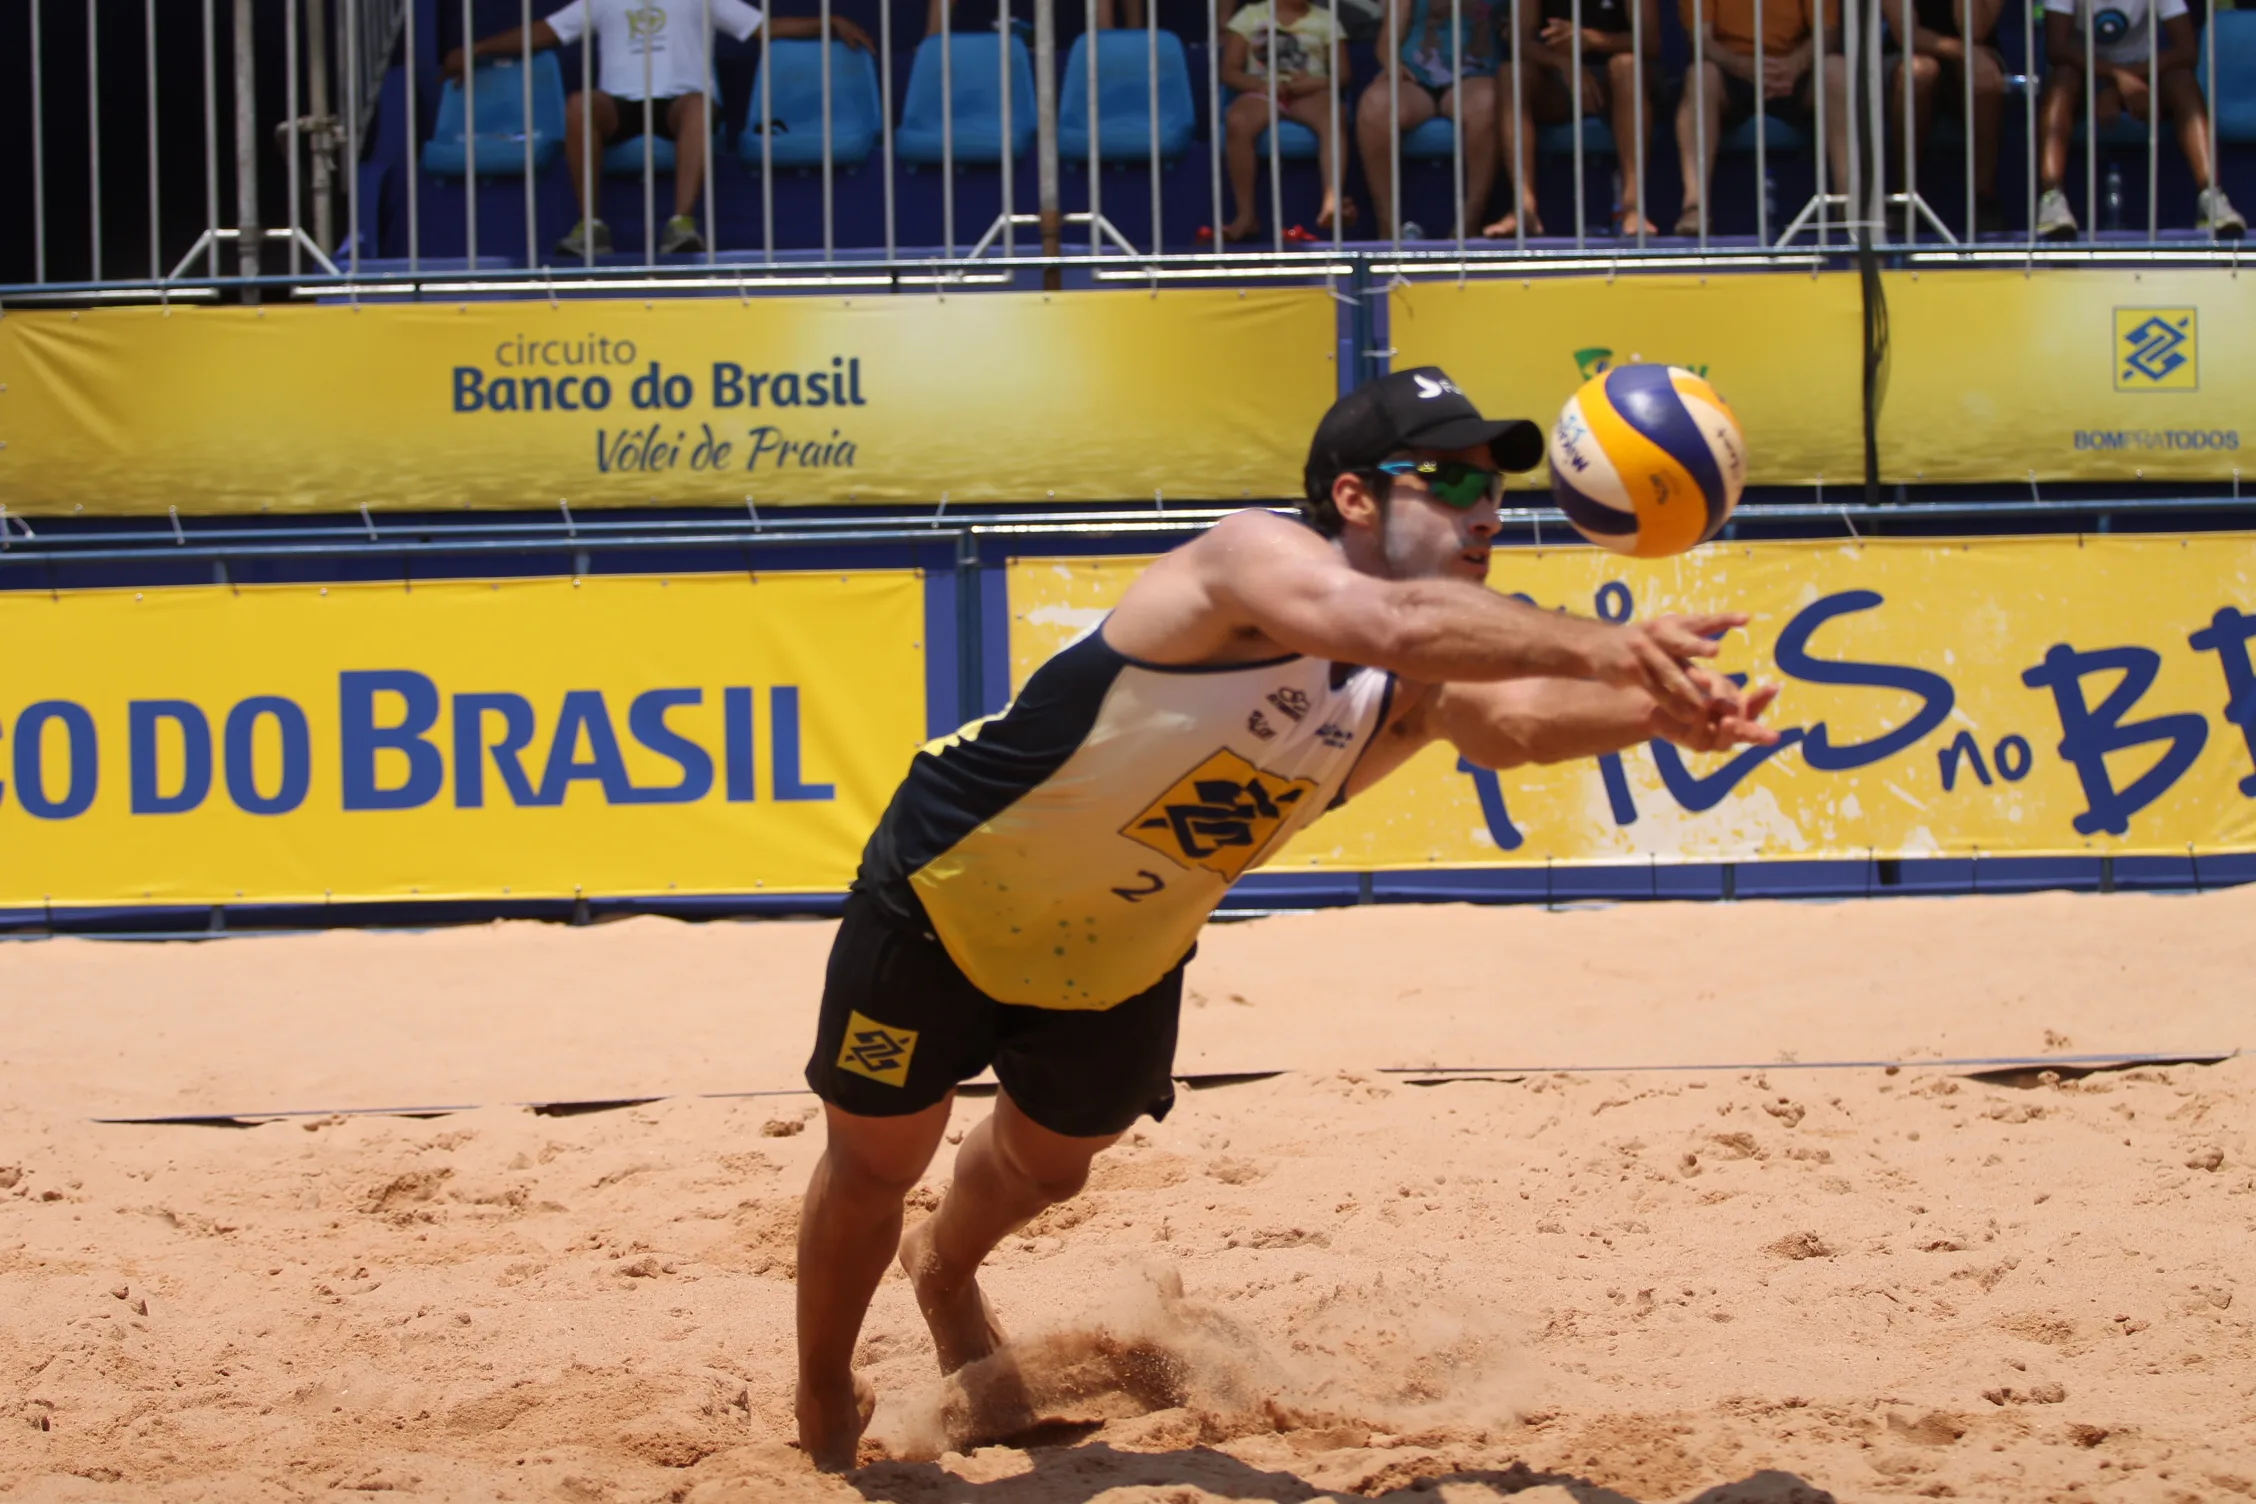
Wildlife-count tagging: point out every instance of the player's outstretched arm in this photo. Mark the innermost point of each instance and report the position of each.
(1512, 724)
(1256, 573)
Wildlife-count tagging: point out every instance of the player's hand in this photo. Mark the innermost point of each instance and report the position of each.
(1733, 719)
(1656, 657)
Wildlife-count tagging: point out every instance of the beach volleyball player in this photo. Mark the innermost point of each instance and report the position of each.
(1033, 891)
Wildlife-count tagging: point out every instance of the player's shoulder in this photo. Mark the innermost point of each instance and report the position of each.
(1257, 532)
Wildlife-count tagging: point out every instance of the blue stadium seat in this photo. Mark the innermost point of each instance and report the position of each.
(794, 105)
(1559, 140)
(1778, 135)
(501, 120)
(1434, 138)
(978, 111)
(1124, 94)
(623, 158)
(2233, 33)
(1299, 140)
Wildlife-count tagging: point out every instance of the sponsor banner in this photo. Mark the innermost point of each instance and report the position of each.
(2068, 375)
(1084, 396)
(488, 739)
(1994, 697)
(1782, 349)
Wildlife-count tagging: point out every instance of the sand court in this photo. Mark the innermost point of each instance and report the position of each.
(1563, 1275)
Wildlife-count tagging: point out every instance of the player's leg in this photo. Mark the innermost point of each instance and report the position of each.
(849, 1227)
(1009, 1171)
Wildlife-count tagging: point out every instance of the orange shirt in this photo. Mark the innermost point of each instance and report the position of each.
(1786, 23)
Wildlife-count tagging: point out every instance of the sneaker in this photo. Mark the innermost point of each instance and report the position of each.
(1412, 230)
(2055, 220)
(575, 245)
(681, 235)
(2218, 216)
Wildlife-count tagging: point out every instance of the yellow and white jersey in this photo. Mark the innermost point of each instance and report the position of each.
(1067, 851)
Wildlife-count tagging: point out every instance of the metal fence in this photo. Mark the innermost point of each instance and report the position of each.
(1459, 85)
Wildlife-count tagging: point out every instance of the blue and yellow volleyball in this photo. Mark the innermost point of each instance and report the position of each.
(1647, 460)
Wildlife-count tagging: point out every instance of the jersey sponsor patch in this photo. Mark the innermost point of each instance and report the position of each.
(1220, 815)
(876, 1051)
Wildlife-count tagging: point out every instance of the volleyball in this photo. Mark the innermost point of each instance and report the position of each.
(1647, 460)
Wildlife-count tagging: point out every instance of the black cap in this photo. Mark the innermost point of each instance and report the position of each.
(1415, 409)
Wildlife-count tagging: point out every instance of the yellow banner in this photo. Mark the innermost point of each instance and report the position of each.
(2067, 375)
(488, 739)
(1782, 348)
(1993, 697)
(1086, 396)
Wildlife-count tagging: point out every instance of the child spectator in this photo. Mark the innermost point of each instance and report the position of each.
(1302, 44)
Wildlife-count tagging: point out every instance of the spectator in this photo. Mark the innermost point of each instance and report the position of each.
(1108, 14)
(1947, 38)
(1302, 44)
(1612, 75)
(654, 69)
(1725, 87)
(2121, 34)
(1437, 75)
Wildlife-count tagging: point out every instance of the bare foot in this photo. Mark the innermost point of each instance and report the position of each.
(1346, 213)
(1233, 232)
(1509, 225)
(963, 1324)
(1634, 224)
(831, 1422)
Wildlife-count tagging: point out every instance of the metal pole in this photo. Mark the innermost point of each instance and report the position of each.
(470, 133)
(290, 106)
(823, 33)
(1096, 188)
(352, 129)
(414, 139)
(709, 146)
(1339, 141)
(1151, 78)
(94, 137)
(1700, 102)
(885, 108)
(2211, 111)
(1457, 116)
(248, 232)
(767, 140)
(1519, 133)
(1824, 155)
(1966, 45)
(650, 164)
(317, 106)
(211, 149)
(1393, 39)
(39, 157)
(589, 146)
(1574, 52)
(1762, 132)
(1046, 139)
(525, 91)
(2154, 120)
(2091, 120)
(947, 129)
(1214, 115)
(1276, 136)
(2029, 107)
(149, 89)
(1003, 118)
(1911, 128)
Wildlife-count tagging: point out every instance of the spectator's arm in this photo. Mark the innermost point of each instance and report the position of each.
(1236, 51)
(1343, 67)
(2064, 41)
(841, 30)
(2179, 49)
(1727, 57)
(1978, 19)
(510, 43)
(1929, 43)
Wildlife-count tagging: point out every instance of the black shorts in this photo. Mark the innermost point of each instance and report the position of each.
(902, 1026)
(1799, 107)
(645, 117)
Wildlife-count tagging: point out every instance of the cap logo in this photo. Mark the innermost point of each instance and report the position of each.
(1430, 387)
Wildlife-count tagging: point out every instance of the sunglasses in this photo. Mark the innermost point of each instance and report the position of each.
(1453, 483)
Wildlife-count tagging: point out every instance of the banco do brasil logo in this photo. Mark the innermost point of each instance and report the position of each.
(2157, 350)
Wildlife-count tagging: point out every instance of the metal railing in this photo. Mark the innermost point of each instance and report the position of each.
(1865, 76)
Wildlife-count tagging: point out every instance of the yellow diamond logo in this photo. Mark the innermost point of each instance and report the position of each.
(2157, 350)
(1220, 815)
(876, 1051)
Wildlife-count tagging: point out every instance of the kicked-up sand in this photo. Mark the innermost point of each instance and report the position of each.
(1481, 1237)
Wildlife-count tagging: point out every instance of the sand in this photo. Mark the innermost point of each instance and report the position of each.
(1561, 1277)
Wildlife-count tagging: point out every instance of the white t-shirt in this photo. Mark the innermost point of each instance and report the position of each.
(671, 31)
(2118, 26)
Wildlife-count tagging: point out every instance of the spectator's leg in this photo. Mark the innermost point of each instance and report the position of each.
(1625, 78)
(2056, 119)
(600, 110)
(1315, 112)
(1703, 93)
(1475, 98)
(2124, 94)
(1989, 114)
(1926, 78)
(1836, 84)
(690, 135)
(1242, 126)
(932, 15)
(1377, 148)
(2181, 91)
